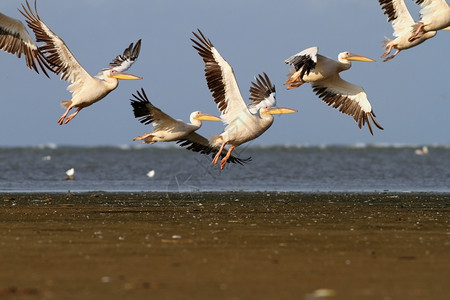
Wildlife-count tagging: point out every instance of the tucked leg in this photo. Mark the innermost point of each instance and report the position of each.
(416, 34)
(294, 78)
(143, 137)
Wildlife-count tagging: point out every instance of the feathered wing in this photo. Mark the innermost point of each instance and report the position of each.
(348, 98)
(429, 9)
(55, 50)
(305, 60)
(197, 143)
(147, 113)
(14, 39)
(123, 62)
(398, 13)
(262, 93)
(220, 78)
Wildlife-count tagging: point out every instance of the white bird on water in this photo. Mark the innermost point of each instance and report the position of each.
(70, 174)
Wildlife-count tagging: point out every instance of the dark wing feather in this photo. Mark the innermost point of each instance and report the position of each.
(129, 56)
(147, 113)
(305, 60)
(389, 9)
(197, 143)
(261, 91)
(14, 39)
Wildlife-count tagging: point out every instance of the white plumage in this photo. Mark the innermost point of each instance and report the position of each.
(402, 23)
(86, 89)
(323, 74)
(243, 123)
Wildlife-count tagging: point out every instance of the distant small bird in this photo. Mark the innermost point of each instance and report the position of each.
(323, 74)
(86, 90)
(151, 174)
(434, 15)
(422, 151)
(14, 39)
(402, 23)
(47, 157)
(244, 122)
(70, 174)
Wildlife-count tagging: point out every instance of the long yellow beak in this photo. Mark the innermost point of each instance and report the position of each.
(280, 110)
(357, 57)
(206, 117)
(446, 28)
(126, 76)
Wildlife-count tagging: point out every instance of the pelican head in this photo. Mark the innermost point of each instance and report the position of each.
(277, 110)
(198, 115)
(120, 75)
(348, 56)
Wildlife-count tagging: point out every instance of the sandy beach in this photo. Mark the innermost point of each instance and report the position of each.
(224, 246)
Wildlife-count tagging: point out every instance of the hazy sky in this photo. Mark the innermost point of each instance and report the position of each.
(410, 95)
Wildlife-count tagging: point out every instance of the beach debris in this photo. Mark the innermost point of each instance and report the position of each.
(422, 151)
(70, 174)
(321, 293)
(151, 174)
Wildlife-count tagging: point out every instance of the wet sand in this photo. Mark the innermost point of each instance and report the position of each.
(224, 246)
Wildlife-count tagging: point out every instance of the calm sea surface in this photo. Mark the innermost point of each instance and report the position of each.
(299, 169)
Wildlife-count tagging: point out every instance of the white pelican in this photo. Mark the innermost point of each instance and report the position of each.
(323, 73)
(14, 39)
(85, 89)
(434, 15)
(167, 129)
(402, 23)
(244, 123)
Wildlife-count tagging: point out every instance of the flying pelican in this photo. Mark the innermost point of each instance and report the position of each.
(244, 123)
(434, 15)
(402, 22)
(85, 89)
(14, 39)
(323, 73)
(167, 129)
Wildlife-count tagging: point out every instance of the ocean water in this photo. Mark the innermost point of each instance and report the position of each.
(360, 168)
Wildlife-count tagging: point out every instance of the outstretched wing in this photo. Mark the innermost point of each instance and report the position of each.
(262, 93)
(305, 60)
(147, 113)
(123, 62)
(197, 143)
(398, 13)
(348, 98)
(220, 78)
(55, 50)
(14, 39)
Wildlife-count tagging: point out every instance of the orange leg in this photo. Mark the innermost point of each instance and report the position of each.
(294, 78)
(392, 56)
(416, 34)
(224, 160)
(72, 115)
(296, 85)
(143, 137)
(60, 121)
(387, 51)
(216, 158)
